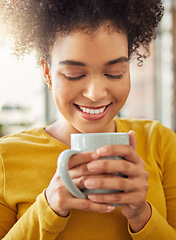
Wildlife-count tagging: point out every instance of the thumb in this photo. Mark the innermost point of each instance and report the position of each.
(132, 138)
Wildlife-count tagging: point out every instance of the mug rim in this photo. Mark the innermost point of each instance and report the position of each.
(105, 133)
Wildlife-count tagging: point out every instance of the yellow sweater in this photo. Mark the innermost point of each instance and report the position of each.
(28, 163)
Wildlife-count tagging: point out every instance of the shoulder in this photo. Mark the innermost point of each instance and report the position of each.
(15, 141)
(32, 143)
(134, 123)
(148, 132)
(141, 125)
(155, 142)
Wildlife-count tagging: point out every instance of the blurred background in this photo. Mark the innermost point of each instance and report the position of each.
(25, 101)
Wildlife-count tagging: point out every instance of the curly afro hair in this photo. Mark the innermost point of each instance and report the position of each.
(33, 24)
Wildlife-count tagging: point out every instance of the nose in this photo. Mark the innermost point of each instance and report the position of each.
(95, 89)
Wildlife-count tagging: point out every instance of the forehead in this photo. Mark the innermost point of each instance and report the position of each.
(79, 44)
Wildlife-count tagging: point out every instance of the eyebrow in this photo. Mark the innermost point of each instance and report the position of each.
(118, 60)
(76, 63)
(72, 63)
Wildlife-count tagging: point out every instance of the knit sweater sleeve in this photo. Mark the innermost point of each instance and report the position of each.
(38, 222)
(158, 227)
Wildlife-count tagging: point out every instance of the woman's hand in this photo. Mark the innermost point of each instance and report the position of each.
(133, 198)
(61, 200)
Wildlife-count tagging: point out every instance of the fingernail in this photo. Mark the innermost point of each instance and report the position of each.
(92, 197)
(110, 208)
(102, 150)
(92, 166)
(89, 183)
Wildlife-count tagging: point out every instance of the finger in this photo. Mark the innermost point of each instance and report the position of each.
(135, 199)
(82, 170)
(85, 204)
(61, 201)
(79, 182)
(132, 139)
(118, 183)
(115, 183)
(79, 171)
(125, 151)
(113, 166)
(81, 158)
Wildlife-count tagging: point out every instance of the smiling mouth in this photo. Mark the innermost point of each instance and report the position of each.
(92, 111)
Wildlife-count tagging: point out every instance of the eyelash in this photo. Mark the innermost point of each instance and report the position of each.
(74, 78)
(114, 77)
(80, 77)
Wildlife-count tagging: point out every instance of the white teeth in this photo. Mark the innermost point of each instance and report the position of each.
(92, 111)
(97, 111)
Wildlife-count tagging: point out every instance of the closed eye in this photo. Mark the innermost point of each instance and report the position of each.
(81, 76)
(74, 78)
(113, 76)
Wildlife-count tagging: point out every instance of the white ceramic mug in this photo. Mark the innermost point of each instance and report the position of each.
(86, 142)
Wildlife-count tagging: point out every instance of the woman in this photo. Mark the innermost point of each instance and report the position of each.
(84, 48)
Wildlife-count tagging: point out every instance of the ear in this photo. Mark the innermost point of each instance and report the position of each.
(46, 73)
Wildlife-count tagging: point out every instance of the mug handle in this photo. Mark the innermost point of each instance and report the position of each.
(62, 165)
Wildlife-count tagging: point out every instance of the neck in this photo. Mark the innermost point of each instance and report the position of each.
(62, 129)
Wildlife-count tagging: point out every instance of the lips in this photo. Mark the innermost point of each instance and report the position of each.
(92, 113)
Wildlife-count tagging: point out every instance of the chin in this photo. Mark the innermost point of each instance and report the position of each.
(91, 129)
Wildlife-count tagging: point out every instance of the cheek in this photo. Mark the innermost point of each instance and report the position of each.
(64, 93)
(61, 97)
(128, 89)
(122, 91)
(60, 88)
(127, 85)
(59, 94)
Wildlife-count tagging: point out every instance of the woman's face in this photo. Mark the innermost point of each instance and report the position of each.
(90, 79)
